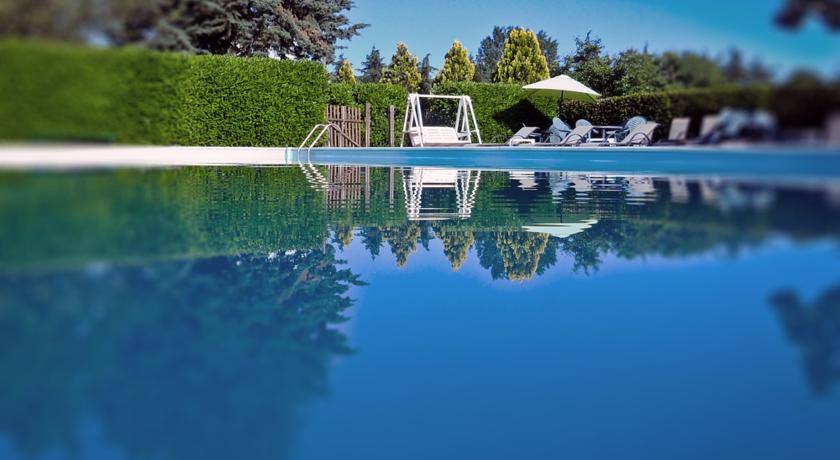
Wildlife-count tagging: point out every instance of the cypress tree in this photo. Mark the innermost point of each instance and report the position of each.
(373, 67)
(522, 60)
(457, 65)
(344, 73)
(403, 69)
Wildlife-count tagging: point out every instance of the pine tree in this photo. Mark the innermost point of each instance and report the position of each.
(344, 73)
(522, 60)
(457, 65)
(490, 53)
(403, 69)
(305, 29)
(548, 46)
(373, 67)
(426, 71)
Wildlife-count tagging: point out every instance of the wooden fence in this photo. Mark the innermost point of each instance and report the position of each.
(352, 122)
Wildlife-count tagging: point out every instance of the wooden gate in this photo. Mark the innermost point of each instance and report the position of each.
(352, 122)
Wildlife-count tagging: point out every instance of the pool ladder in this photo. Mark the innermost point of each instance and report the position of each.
(322, 128)
(313, 176)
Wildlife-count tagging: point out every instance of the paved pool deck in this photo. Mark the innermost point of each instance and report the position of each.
(807, 163)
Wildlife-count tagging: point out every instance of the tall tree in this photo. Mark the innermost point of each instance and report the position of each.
(372, 68)
(490, 53)
(590, 65)
(733, 66)
(522, 60)
(637, 72)
(53, 19)
(287, 28)
(795, 11)
(426, 69)
(457, 65)
(493, 46)
(403, 69)
(690, 70)
(548, 46)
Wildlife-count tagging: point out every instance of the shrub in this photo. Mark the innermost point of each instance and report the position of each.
(65, 92)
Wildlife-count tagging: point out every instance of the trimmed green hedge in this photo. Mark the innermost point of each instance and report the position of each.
(380, 96)
(65, 92)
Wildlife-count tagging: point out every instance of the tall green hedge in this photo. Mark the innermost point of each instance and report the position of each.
(58, 91)
(380, 96)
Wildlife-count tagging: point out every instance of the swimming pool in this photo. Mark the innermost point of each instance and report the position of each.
(316, 311)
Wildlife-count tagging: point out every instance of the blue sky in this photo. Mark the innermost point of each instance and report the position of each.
(712, 26)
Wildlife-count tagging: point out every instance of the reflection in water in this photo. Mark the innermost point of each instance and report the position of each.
(184, 311)
(173, 360)
(815, 330)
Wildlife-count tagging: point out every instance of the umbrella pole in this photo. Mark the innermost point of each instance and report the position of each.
(562, 93)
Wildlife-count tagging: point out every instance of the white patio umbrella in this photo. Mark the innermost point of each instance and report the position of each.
(564, 86)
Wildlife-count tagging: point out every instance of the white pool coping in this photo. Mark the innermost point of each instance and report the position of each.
(109, 156)
(768, 162)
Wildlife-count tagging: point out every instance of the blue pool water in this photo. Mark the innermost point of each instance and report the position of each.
(320, 312)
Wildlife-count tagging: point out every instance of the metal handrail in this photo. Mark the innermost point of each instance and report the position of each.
(324, 127)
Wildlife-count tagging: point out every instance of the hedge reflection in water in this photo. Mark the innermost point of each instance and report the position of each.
(175, 359)
(207, 299)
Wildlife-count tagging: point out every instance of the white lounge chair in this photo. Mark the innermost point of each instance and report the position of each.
(578, 135)
(436, 136)
(679, 130)
(639, 135)
(709, 123)
(522, 136)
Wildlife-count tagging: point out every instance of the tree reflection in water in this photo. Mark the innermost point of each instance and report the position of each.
(210, 358)
(815, 330)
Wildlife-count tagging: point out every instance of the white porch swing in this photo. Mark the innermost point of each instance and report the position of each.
(420, 135)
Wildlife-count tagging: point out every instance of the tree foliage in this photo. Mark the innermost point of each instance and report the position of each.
(53, 19)
(795, 12)
(632, 71)
(490, 53)
(492, 47)
(522, 60)
(403, 69)
(344, 72)
(426, 69)
(303, 29)
(457, 65)
(373, 67)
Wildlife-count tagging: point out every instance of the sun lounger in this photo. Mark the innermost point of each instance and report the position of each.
(628, 126)
(678, 134)
(679, 130)
(578, 135)
(640, 135)
(709, 123)
(436, 136)
(558, 131)
(522, 136)
(832, 129)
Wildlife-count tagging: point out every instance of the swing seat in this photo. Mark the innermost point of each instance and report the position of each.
(436, 136)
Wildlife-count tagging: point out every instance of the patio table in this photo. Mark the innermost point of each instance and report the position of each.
(604, 130)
